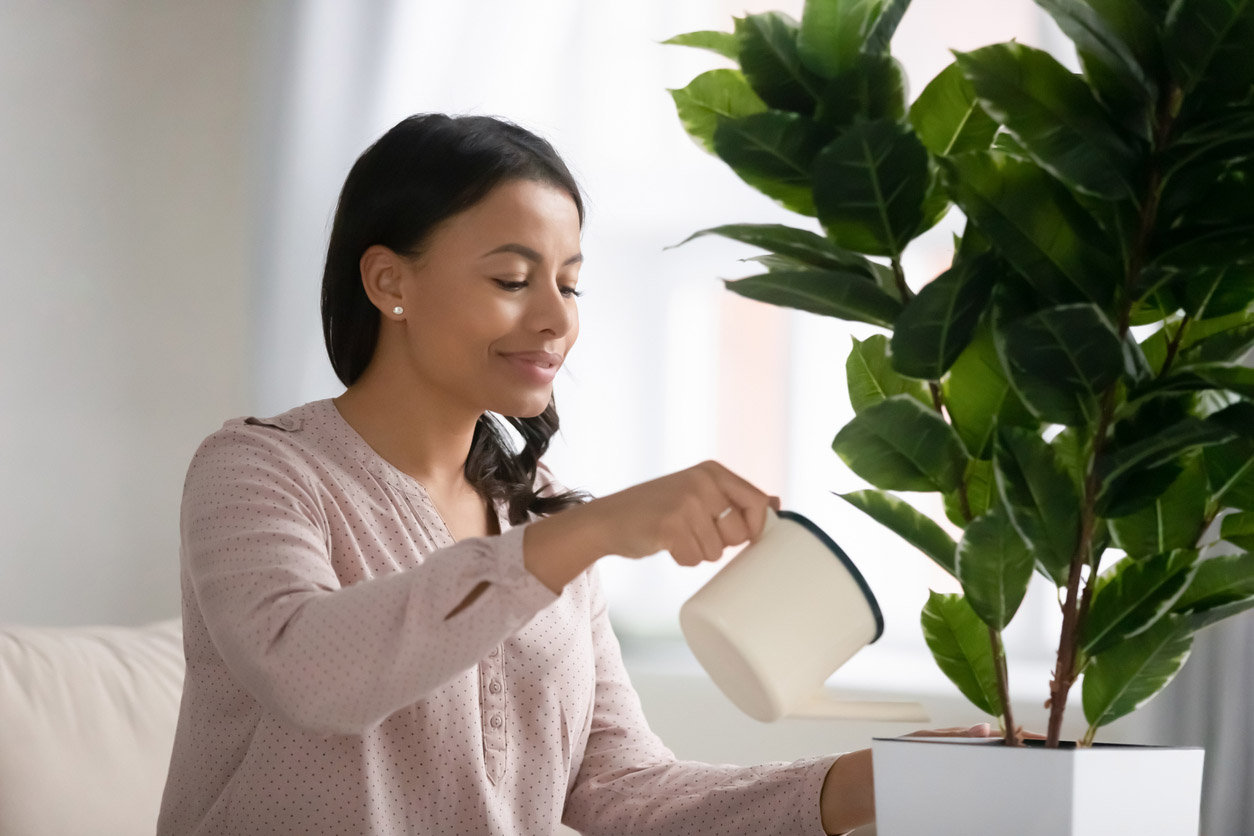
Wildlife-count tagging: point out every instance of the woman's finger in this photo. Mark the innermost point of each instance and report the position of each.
(732, 526)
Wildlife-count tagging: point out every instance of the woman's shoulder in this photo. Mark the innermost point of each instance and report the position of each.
(287, 440)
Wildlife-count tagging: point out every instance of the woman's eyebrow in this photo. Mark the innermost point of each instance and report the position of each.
(529, 254)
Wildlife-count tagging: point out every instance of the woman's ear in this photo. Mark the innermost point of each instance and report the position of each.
(381, 274)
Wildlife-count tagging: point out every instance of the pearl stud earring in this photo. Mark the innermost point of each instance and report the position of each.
(398, 310)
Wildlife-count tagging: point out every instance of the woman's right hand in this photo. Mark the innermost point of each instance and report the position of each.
(683, 513)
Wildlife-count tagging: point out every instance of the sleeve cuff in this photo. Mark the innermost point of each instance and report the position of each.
(530, 591)
(809, 811)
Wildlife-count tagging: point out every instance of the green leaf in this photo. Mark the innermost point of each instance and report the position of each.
(799, 244)
(1238, 529)
(1123, 678)
(1036, 224)
(871, 379)
(900, 444)
(772, 151)
(940, 322)
(1133, 595)
(1120, 467)
(874, 88)
(869, 185)
(1217, 291)
(769, 59)
(981, 493)
(724, 43)
(1060, 360)
(833, 33)
(1218, 582)
(1041, 497)
(960, 643)
(994, 566)
(1173, 521)
(978, 396)
(948, 118)
(710, 95)
(913, 527)
(1117, 43)
(1230, 344)
(1230, 474)
(1204, 618)
(1053, 115)
(843, 295)
(877, 41)
(1210, 39)
(1195, 377)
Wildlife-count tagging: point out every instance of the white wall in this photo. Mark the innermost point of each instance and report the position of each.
(124, 290)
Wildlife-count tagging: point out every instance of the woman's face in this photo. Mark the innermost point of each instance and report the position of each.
(492, 292)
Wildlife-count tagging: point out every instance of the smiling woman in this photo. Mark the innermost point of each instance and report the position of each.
(392, 619)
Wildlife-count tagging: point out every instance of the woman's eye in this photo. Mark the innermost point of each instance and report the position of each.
(568, 292)
(572, 292)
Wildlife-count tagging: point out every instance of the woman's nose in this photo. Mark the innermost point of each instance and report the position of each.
(552, 310)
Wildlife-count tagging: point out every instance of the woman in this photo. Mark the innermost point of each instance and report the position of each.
(391, 620)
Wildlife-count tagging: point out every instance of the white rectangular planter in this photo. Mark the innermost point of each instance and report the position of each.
(971, 787)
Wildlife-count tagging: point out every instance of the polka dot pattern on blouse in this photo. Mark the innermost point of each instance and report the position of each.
(328, 690)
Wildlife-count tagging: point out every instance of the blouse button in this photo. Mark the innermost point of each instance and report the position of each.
(496, 722)
(496, 651)
(495, 687)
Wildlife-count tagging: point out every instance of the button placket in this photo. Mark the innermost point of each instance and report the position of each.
(493, 702)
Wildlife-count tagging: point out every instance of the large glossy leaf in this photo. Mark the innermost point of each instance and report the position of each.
(798, 244)
(1117, 43)
(1230, 344)
(844, 295)
(1041, 497)
(947, 117)
(981, 493)
(1195, 377)
(772, 151)
(1172, 521)
(939, 323)
(900, 444)
(1210, 39)
(874, 88)
(724, 43)
(913, 527)
(769, 59)
(1217, 291)
(1119, 468)
(1230, 474)
(869, 185)
(871, 378)
(710, 95)
(978, 396)
(994, 566)
(833, 33)
(960, 643)
(1036, 224)
(1133, 595)
(1238, 529)
(877, 40)
(1123, 678)
(1060, 360)
(1218, 582)
(1053, 115)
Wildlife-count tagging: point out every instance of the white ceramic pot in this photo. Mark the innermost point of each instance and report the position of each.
(957, 787)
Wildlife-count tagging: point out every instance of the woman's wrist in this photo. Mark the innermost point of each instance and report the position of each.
(557, 549)
(847, 799)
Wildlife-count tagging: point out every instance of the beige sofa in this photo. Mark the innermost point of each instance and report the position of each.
(87, 718)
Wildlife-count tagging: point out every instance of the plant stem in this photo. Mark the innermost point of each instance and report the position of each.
(1075, 610)
(1003, 688)
(1174, 345)
(904, 289)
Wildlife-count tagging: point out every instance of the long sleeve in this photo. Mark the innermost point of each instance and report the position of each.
(331, 658)
(630, 784)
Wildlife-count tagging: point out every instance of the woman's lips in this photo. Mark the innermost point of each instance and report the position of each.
(537, 366)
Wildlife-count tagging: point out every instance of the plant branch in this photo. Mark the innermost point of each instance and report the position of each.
(1075, 610)
(1174, 345)
(904, 289)
(1003, 688)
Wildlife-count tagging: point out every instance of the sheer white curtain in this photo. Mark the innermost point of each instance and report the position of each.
(670, 368)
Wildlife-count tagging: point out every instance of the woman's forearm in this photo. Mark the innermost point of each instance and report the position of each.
(557, 548)
(847, 799)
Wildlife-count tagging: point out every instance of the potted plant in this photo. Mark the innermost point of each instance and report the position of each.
(1014, 383)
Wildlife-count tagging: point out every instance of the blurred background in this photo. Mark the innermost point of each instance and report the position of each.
(168, 175)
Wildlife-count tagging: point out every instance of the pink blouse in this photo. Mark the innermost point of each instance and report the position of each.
(327, 691)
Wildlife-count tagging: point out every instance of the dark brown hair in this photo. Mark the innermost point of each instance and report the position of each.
(424, 170)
